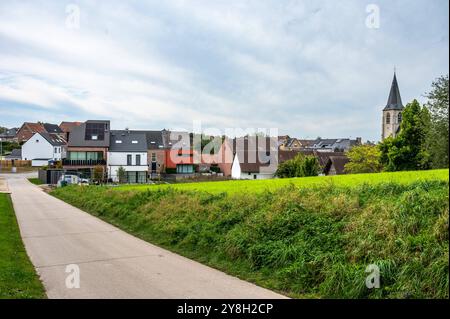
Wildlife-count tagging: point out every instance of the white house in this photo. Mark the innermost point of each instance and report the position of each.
(128, 149)
(43, 147)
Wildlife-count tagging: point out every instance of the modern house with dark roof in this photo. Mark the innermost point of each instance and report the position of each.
(88, 146)
(128, 149)
(392, 112)
(43, 147)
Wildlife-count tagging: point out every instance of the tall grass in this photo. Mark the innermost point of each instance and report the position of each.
(304, 242)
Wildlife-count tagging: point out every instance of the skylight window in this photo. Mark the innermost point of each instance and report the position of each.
(118, 142)
(134, 142)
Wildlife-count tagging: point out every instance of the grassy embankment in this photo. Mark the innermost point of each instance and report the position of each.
(304, 238)
(35, 181)
(18, 278)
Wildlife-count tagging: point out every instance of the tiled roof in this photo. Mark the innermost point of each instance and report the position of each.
(68, 126)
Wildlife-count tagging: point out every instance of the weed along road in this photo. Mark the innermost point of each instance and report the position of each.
(80, 256)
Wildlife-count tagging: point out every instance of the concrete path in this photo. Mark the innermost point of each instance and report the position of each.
(112, 263)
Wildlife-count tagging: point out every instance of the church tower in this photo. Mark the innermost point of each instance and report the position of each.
(392, 113)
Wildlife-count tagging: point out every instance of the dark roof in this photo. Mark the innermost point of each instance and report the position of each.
(77, 137)
(394, 101)
(338, 162)
(9, 132)
(154, 139)
(54, 139)
(127, 141)
(52, 128)
(252, 156)
(15, 153)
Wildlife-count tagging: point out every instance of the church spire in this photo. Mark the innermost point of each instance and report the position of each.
(394, 101)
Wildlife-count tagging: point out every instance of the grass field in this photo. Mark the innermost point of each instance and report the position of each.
(305, 242)
(35, 181)
(238, 186)
(18, 278)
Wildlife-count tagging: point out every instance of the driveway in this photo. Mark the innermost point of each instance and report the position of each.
(111, 263)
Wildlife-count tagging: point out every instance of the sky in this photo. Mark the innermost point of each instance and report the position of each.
(306, 67)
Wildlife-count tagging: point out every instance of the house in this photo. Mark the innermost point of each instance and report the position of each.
(9, 135)
(254, 157)
(335, 165)
(88, 147)
(334, 145)
(286, 143)
(156, 154)
(128, 149)
(43, 147)
(28, 129)
(179, 153)
(16, 154)
(67, 127)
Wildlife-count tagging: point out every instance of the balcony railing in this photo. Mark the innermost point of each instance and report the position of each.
(68, 162)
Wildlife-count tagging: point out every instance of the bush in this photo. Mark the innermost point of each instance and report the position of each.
(300, 166)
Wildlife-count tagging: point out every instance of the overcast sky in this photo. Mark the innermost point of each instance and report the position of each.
(309, 68)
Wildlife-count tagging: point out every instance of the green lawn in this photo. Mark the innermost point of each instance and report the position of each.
(239, 186)
(18, 278)
(306, 238)
(35, 181)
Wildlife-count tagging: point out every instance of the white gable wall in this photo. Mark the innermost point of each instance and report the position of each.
(236, 168)
(37, 147)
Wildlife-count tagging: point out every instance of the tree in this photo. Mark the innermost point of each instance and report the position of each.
(98, 174)
(408, 150)
(364, 159)
(122, 175)
(300, 166)
(437, 142)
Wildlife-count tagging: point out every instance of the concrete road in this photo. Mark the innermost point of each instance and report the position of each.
(112, 263)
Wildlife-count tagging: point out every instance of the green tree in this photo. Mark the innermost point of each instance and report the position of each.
(122, 175)
(437, 143)
(98, 174)
(408, 150)
(364, 159)
(300, 166)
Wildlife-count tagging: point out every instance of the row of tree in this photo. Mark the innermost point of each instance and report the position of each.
(422, 143)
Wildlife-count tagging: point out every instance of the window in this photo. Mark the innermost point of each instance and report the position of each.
(153, 157)
(388, 118)
(399, 117)
(185, 169)
(95, 131)
(83, 156)
(138, 160)
(129, 163)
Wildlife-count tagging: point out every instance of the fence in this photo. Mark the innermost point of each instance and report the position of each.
(15, 163)
(50, 176)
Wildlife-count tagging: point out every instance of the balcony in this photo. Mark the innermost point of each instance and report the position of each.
(68, 162)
